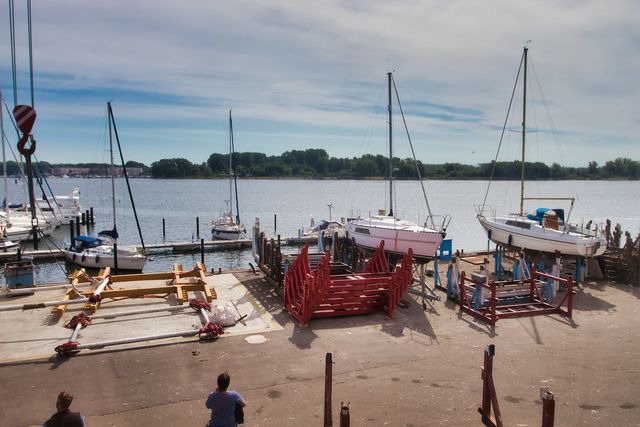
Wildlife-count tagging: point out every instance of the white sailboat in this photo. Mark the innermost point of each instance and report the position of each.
(94, 252)
(547, 230)
(67, 207)
(226, 226)
(398, 235)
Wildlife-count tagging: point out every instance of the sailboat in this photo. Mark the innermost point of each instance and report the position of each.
(398, 235)
(228, 227)
(96, 252)
(547, 230)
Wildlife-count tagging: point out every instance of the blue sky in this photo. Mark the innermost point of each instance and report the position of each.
(312, 75)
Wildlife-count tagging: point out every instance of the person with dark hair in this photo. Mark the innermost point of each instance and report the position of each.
(223, 404)
(64, 417)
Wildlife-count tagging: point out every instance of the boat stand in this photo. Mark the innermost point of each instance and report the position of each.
(514, 298)
(423, 290)
(178, 282)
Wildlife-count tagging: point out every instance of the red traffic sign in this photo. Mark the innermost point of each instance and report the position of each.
(25, 117)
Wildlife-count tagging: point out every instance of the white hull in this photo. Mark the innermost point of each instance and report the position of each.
(8, 246)
(102, 256)
(68, 207)
(225, 228)
(399, 236)
(532, 236)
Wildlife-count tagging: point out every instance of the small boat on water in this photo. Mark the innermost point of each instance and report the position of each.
(547, 230)
(94, 252)
(399, 235)
(226, 226)
(67, 207)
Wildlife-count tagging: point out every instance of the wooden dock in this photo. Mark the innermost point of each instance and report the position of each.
(158, 248)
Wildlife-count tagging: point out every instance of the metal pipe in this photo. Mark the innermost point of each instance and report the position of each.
(76, 332)
(101, 286)
(43, 304)
(135, 312)
(27, 291)
(101, 344)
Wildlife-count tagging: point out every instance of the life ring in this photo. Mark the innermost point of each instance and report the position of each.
(510, 240)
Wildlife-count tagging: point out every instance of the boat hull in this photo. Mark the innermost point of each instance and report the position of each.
(539, 238)
(399, 236)
(91, 258)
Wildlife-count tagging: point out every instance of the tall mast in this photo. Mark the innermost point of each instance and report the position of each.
(389, 77)
(113, 184)
(4, 160)
(230, 165)
(524, 120)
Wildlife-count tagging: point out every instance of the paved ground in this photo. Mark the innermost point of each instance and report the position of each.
(420, 368)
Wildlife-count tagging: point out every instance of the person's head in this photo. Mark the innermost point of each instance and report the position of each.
(223, 381)
(64, 400)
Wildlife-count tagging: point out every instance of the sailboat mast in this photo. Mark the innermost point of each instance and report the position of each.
(235, 178)
(389, 77)
(230, 165)
(4, 159)
(113, 183)
(524, 120)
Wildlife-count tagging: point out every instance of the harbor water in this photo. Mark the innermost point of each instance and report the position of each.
(286, 206)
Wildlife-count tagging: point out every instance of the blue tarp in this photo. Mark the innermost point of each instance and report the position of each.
(541, 211)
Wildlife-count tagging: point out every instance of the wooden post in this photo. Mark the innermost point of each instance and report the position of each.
(198, 226)
(548, 408)
(202, 250)
(328, 378)
(93, 220)
(275, 223)
(345, 416)
(84, 218)
(77, 226)
(163, 229)
(115, 258)
(71, 230)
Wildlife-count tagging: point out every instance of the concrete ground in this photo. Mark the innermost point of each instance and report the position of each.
(420, 368)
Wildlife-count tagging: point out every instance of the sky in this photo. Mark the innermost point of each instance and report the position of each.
(302, 74)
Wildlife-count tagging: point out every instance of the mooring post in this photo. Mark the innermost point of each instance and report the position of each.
(87, 218)
(77, 225)
(115, 258)
(328, 378)
(345, 416)
(548, 407)
(93, 220)
(202, 250)
(275, 223)
(84, 218)
(163, 230)
(71, 229)
(198, 227)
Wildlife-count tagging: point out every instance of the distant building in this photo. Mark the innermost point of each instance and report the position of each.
(70, 171)
(78, 171)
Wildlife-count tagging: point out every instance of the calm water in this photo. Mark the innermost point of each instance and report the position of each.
(295, 202)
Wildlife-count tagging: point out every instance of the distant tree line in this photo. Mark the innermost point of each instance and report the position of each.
(316, 163)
